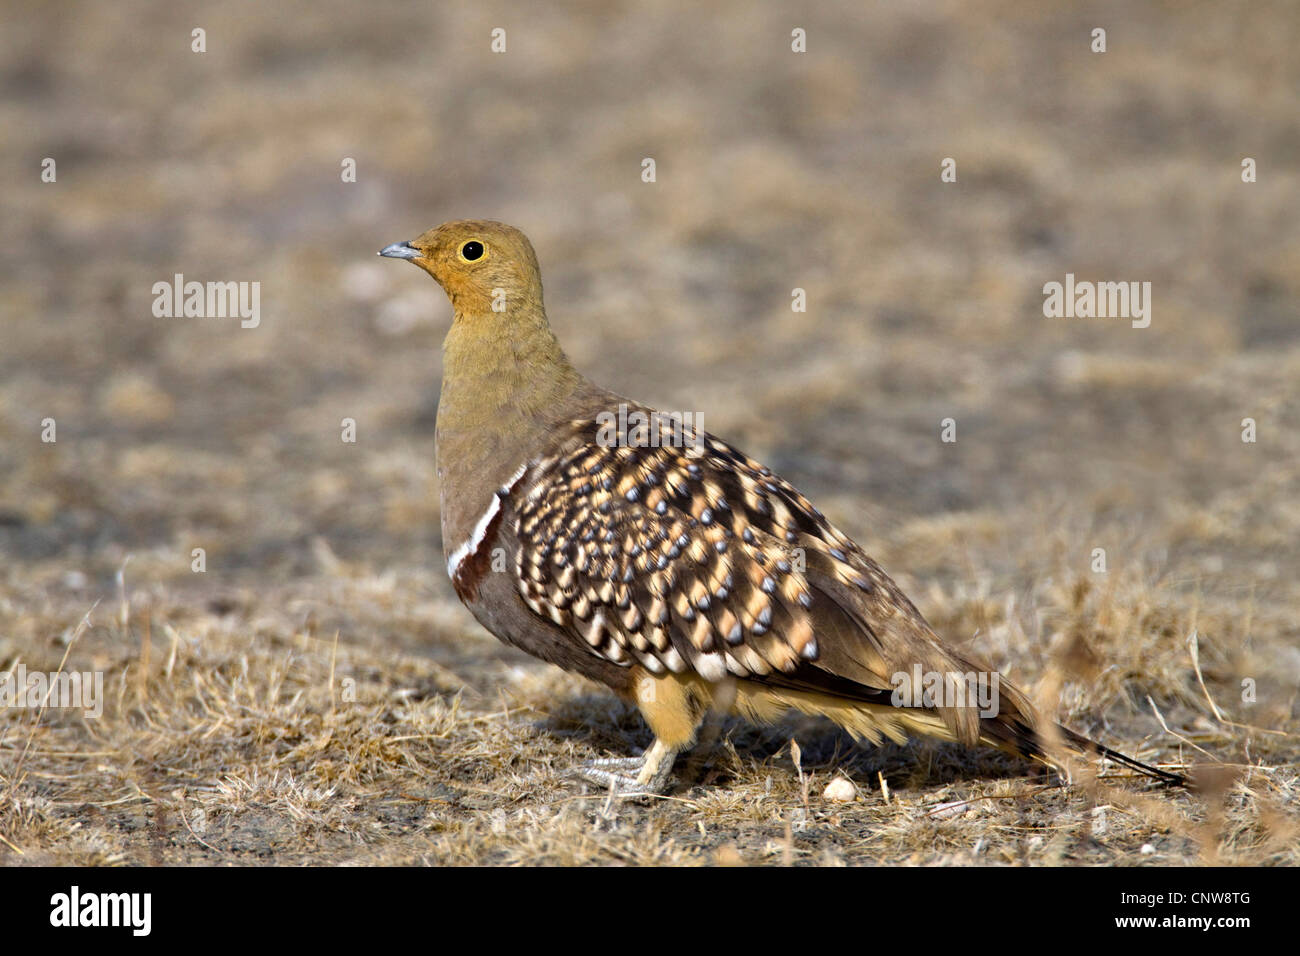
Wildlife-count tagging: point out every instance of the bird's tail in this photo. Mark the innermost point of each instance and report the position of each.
(1046, 745)
(1085, 745)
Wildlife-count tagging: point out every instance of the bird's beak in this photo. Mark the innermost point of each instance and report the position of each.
(401, 250)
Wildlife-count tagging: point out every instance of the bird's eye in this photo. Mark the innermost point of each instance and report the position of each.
(472, 250)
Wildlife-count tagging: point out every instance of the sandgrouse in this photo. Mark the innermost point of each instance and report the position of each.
(659, 560)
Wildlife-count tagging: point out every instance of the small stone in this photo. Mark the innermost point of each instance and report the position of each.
(840, 790)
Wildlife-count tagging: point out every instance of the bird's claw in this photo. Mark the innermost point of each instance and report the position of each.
(628, 776)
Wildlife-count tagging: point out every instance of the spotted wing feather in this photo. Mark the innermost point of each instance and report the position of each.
(684, 555)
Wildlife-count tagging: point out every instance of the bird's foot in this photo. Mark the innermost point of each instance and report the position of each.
(619, 784)
(644, 776)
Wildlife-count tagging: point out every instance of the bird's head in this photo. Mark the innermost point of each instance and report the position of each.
(484, 266)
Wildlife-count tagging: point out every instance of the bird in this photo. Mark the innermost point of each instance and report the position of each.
(632, 547)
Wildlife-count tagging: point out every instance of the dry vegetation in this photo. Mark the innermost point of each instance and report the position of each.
(318, 696)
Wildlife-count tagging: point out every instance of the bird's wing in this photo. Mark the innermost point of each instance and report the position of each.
(670, 549)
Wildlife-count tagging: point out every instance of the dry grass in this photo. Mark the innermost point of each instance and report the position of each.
(239, 737)
(317, 695)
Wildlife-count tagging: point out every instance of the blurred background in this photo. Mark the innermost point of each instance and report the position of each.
(774, 170)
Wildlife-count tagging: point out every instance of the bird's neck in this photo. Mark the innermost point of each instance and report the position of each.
(505, 379)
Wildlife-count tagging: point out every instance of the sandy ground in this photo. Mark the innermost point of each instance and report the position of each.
(318, 695)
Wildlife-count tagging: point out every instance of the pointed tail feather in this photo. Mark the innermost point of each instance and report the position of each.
(1089, 746)
(1019, 738)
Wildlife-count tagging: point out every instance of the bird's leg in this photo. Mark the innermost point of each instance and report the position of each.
(633, 776)
(673, 707)
(657, 767)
